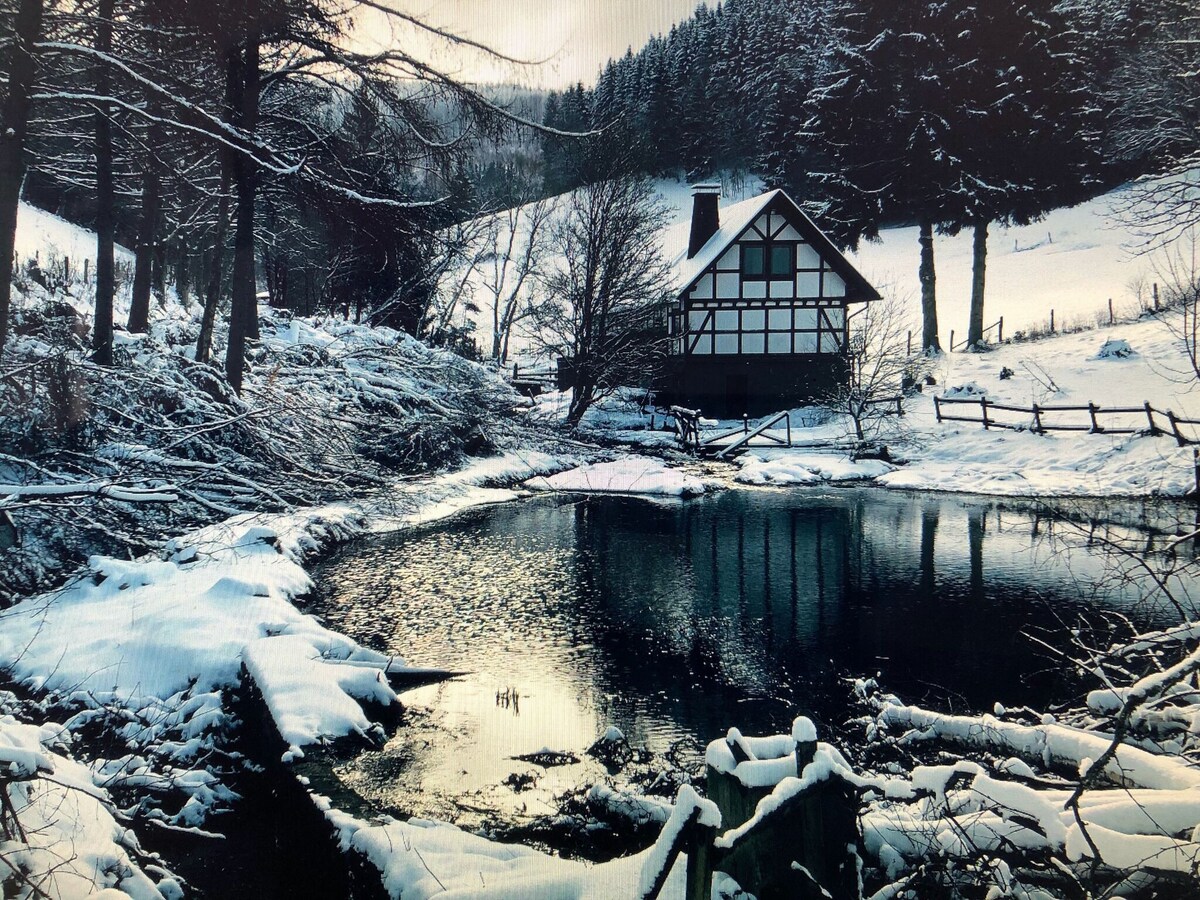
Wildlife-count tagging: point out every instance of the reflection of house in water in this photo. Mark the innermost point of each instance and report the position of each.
(765, 589)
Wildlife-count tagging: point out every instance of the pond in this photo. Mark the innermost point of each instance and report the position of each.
(676, 620)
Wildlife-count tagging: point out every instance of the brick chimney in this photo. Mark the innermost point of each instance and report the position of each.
(705, 217)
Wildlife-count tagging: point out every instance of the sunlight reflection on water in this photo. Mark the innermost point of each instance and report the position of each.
(677, 620)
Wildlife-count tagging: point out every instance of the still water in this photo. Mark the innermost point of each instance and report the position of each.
(676, 620)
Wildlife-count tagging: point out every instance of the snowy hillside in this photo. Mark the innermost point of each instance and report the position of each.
(45, 236)
(1071, 262)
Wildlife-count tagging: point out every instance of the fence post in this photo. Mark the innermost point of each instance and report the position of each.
(1110, 311)
(789, 428)
(745, 423)
(937, 409)
(1052, 321)
(909, 353)
(516, 371)
(1000, 335)
(1179, 438)
(699, 847)
(1092, 412)
(1150, 419)
(983, 407)
(951, 340)
(1037, 419)
(1156, 296)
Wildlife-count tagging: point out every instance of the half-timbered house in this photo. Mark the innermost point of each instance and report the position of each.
(760, 322)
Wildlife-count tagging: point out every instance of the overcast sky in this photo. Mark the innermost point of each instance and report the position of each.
(571, 39)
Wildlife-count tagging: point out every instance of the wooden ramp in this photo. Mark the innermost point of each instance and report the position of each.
(729, 444)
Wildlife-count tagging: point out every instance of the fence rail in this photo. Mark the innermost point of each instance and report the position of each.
(997, 326)
(1100, 419)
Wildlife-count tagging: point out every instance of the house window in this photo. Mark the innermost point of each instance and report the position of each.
(762, 260)
(776, 330)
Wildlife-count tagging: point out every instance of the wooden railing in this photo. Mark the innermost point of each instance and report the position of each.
(687, 430)
(997, 326)
(1144, 419)
(544, 377)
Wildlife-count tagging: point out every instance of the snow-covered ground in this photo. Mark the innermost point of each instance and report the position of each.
(1063, 370)
(48, 238)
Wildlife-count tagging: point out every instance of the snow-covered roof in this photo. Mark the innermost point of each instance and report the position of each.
(734, 220)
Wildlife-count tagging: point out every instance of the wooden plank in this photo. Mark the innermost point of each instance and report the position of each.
(1006, 408)
(660, 877)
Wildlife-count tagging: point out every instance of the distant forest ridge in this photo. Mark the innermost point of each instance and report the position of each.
(1002, 110)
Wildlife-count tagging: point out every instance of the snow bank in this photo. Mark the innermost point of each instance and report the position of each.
(629, 475)
(419, 860)
(782, 467)
(72, 846)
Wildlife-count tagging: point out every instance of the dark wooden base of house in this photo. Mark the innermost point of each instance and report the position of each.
(733, 386)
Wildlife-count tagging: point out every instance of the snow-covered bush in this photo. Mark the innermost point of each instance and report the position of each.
(107, 460)
(1115, 348)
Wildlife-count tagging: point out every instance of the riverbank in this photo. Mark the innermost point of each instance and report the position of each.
(1122, 366)
(151, 651)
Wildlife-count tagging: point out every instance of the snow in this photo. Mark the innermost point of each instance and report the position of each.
(222, 598)
(789, 467)
(1072, 262)
(689, 807)
(419, 859)
(72, 846)
(48, 237)
(628, 475)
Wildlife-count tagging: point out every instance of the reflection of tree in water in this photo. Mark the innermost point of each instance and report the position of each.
(735, 608)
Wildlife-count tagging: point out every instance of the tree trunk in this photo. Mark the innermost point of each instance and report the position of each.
(212, 291)
(978, 275)
(143, 259)
(160, 262)
(183, 271)
(581, 401)
(929, 334)
(243, 316)
(102, 336)
(13, 129)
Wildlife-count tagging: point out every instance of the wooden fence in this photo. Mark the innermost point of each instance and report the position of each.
(1090, 417)
(997, 327)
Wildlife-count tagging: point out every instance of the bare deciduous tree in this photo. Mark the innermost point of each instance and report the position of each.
(879, 365)
(608, 295)
(514, 252)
